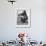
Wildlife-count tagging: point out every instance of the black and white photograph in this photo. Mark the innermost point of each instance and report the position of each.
(23, 17)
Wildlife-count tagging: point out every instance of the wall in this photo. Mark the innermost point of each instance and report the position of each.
(8, 28)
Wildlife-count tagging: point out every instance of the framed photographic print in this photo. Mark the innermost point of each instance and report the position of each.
(23, 18)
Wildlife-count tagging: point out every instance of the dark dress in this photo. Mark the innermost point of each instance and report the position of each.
(25, 17)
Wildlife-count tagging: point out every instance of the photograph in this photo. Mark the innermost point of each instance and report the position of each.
(23, 17)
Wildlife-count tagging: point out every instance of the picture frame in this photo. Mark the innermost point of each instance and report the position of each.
(23, 19)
